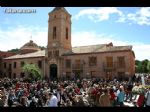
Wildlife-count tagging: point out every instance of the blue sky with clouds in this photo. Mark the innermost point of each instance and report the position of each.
(90, 25)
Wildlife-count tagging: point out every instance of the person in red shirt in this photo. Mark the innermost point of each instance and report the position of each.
(77, 90)
(17, 86)
(140, 101)
(112, 96)
(26, 93)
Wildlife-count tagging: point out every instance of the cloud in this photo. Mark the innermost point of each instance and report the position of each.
(91, 38)
(142, 51)
(140, 17)
(99, 14)
(16, 37)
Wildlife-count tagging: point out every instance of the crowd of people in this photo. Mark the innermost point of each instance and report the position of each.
(69, 93)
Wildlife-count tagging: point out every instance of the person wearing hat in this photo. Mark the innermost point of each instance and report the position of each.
(52, 100)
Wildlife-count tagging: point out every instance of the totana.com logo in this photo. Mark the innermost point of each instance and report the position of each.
(25, 11)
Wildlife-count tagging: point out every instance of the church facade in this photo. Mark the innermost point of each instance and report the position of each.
(60, 59)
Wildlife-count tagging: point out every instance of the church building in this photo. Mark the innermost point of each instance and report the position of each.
(61, 60)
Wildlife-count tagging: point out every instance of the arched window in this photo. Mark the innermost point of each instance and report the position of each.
(54, 32)
(14, 76)
(67, 33)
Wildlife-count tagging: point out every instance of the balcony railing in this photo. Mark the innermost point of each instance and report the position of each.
(115, 65)
(77, 66)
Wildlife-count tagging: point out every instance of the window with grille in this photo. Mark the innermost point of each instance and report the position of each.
(77, 62)
(5, 65)
(14, 76)
(22, 75)
(121, 62)
(15, 64)
(22, 63)
(56, 53)
(93, 74)
(68, 75)
(9, 66)
(68, 63)
(92, 61)
(40, 64)
(109, 61)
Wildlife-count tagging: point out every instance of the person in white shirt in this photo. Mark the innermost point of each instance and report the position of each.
(147, 96)
(58, 96)
(52, 101)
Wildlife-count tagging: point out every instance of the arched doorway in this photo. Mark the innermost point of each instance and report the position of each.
(53, 71)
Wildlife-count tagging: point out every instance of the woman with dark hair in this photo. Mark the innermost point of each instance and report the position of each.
(23, 101)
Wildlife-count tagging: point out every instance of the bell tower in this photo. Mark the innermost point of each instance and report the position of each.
(59, 41)
(59, 31)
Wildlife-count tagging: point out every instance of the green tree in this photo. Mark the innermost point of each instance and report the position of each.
(137, 66)
(142, 66)
(14, 50)
(148, 66)
(33, 72)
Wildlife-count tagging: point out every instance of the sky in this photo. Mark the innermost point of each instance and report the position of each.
(90, 25)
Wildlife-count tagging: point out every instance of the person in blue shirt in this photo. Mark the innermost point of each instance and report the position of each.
(121, 97)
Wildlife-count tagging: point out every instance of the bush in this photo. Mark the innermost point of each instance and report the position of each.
(33, 72)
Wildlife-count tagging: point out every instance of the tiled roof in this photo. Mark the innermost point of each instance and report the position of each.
(29, 55)
(76, 50)
(88, 49)
(97, 48)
